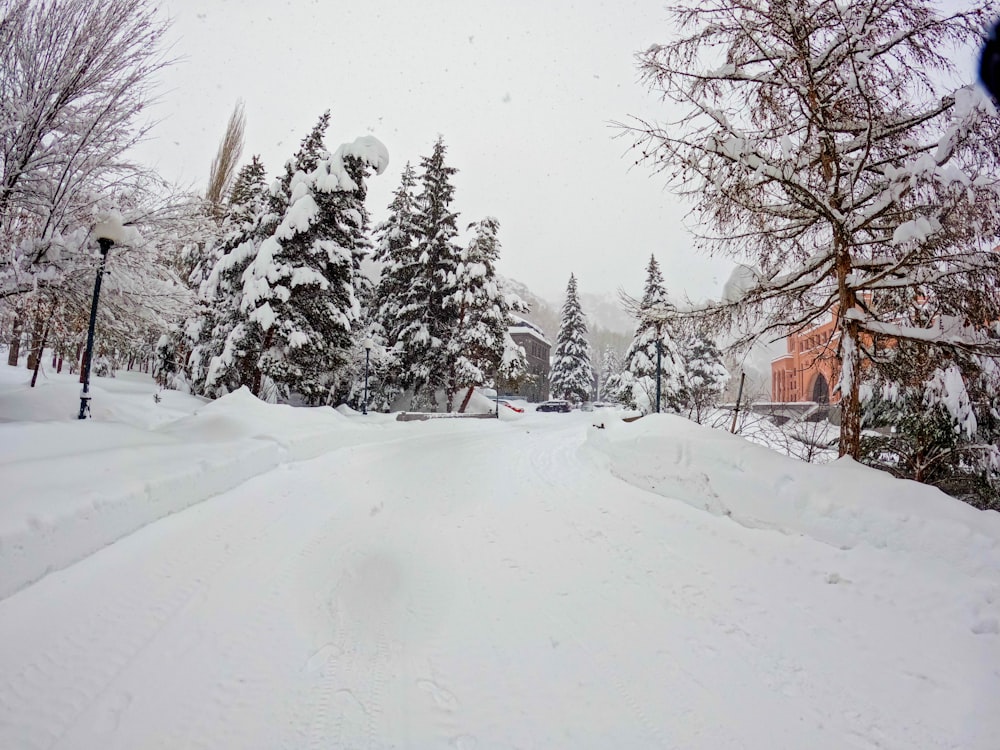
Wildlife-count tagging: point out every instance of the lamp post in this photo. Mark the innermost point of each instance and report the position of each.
(105, 244)
(659, 358)
(368, 344)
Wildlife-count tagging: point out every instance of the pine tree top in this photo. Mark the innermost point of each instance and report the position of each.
(311, 150)
(655, 293)
(248, 187)
(438, 191)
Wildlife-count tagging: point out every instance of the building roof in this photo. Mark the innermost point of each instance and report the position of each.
(520, 325)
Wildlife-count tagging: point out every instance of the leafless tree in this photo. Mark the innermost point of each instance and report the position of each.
(225, 162)
(820, 146)
(75, 75)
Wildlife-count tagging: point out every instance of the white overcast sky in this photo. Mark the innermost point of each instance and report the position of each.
(522, 91)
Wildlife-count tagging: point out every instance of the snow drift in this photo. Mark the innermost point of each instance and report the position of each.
(843, 504)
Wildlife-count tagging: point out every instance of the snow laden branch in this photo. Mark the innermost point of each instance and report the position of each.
(820, 146)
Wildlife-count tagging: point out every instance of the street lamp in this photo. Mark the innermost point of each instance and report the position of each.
(368, 344)
(659, 357)
(108, 231)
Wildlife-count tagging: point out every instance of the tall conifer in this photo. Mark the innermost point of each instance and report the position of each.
(430, 310)
(636, 385)
(571, 376)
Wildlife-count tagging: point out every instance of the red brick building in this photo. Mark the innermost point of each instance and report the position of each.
(810, 371)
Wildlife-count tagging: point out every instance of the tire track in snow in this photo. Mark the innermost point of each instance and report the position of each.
(84, 657)
(382, 590)
(761, 661)
(598, 525)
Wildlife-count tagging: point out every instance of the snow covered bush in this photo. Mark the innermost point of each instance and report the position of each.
(707, 376)
(938, 419)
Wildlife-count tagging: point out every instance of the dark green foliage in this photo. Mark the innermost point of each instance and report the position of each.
(572, 375)
(937, 418)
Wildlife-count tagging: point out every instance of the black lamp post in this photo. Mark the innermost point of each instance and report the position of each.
(105, 244)
(368, 351)
(659, 357)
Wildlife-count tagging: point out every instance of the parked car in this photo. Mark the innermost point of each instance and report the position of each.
(554, 405)
(509, 405)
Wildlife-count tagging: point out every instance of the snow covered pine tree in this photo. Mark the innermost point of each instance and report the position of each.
(482, 350)
(225, 352)
(395, 250)
(428, 313)
(706, 374)
(299, 289)
(571, 376)
(635, 386)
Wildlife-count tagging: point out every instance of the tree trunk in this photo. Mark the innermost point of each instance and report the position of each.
(850, 398)
(258, 376)
(38, 359)
(466, 400)
(14, 350)
(37, 343)
(850, 353)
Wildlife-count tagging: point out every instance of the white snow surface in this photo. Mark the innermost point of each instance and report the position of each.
(236, 574)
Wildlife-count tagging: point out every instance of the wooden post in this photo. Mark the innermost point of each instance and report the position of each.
(739, 397)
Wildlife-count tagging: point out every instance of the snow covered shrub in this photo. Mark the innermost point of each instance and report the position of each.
(706, 374)
(102, 367)
(938, 421)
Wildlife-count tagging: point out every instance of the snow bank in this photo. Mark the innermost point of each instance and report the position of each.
(72, 487)
(842, 504)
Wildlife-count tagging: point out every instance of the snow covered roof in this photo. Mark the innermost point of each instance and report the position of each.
(520, 325)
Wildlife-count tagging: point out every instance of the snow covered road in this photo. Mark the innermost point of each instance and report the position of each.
(473, 584)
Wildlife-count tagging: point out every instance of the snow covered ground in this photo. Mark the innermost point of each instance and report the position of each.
(239, 575)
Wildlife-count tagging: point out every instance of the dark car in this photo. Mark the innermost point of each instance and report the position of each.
(555, 405)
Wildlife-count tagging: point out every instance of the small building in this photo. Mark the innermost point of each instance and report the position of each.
(535, 387)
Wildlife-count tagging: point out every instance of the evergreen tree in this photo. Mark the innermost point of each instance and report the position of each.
(226, 348)
(706, 374)
(939, 413)
(610, 369)
(481, 349)
(636, 385)
(299, 290)
(429, 310)
(571, 371)
(395, 249)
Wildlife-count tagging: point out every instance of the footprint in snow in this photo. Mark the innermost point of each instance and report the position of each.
(110, 712)
(321, 657)
(442, 698)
